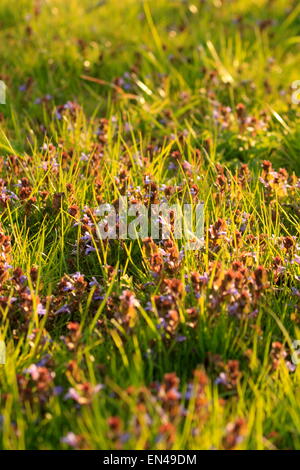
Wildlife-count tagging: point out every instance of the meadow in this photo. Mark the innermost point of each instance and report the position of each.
(141, 344)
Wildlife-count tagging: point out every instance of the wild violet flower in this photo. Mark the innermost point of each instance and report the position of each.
(64, 309)
(83, 393)
(73, 440)
(41, 309)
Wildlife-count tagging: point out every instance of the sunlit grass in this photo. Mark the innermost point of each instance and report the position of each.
(168, 76)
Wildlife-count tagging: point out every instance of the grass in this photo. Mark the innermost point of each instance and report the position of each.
(98, 98)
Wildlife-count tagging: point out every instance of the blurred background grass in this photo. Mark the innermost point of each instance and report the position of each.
(164, 52)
